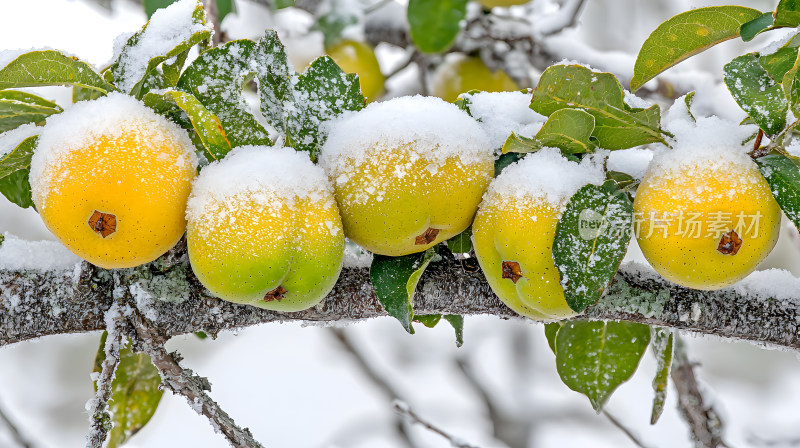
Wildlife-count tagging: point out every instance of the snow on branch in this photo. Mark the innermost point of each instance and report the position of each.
(35, 304)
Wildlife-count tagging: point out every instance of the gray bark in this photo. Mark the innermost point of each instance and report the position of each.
(35, 304)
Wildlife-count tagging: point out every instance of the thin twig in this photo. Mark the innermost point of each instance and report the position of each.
(184, 381)
(704, 422)
(401, 67)
(16, 434)
(566, 17)
(403, 409)
(757, 150)
(624, 429)
(388, 390)
(99, 417)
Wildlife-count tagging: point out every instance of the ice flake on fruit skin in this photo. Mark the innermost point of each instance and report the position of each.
(86, 121)
(167, 28)
(268, 174)
(439, 129)
(546, 175)
(501, 113)
(17, 254)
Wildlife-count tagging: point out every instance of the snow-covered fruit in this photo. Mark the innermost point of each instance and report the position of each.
(408, 173)
(461, 74)
(110, 178)
(705, 216)
(515, 226)
(358, 57)
(264, 230)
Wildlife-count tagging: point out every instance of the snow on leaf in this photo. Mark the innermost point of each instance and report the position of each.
(595, 357)
(15, 170)
(170, 33)
(756, 92)
(591, 239)
(662, 348)
(135, 393)
(322, 92)
(783, 177)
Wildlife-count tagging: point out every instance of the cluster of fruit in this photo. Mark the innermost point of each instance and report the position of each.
(117, 184)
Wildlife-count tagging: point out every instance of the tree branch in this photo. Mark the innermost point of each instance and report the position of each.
(403, 409)
(16, 434)
(35, 304)
(703, 421)
(184, 381)
(99, 417)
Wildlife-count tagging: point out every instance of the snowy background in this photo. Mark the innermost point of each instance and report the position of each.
(297, 387)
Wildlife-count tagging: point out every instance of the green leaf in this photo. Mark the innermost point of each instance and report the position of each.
(82, 94)
(206, 124)
(429, 320)
(594, 357)
(685, 35)
(395, 279)
(225, 7)
(591, 239)
(753, 28)
(144, 51)
(51, 68)
(791, 87)
(779, 62)
(275, 80)
(787, 13)
(756, 92)
(18, 108)
(688, 99)
(662, 348)
(17, 189)
(215, 78)
(551, 332)
(435, 24)
(617, 125)
(135, 393)
(567, 129)
(623, 181)
(783, 177)
(505, 160)
(461, 243)
(322, 92)
(151, 6)
(19, 158)
(457, 321)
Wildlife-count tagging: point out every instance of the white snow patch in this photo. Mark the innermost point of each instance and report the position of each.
(546, 175)
(266, 173)
(9, 140)
(636, 102)
(86, 121)
(777, 284)
(501, 113)
(168, 27)
(17, 254)
(438, 129)
(633, 161)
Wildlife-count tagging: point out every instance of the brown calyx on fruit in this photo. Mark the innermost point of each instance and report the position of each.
(103, 224)
(730, 243)
(275, 294)
(427, 237)
(512, 270)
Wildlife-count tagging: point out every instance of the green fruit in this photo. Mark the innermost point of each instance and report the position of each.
(408, 173)
(463, 74)
(264, 230)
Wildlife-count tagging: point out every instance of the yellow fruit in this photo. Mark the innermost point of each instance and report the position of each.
(514, 230)
(110, 179)
(264, 229)
(463, 74)
(502, 3)
(705, 221)
(408, 173)
(358, 57)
